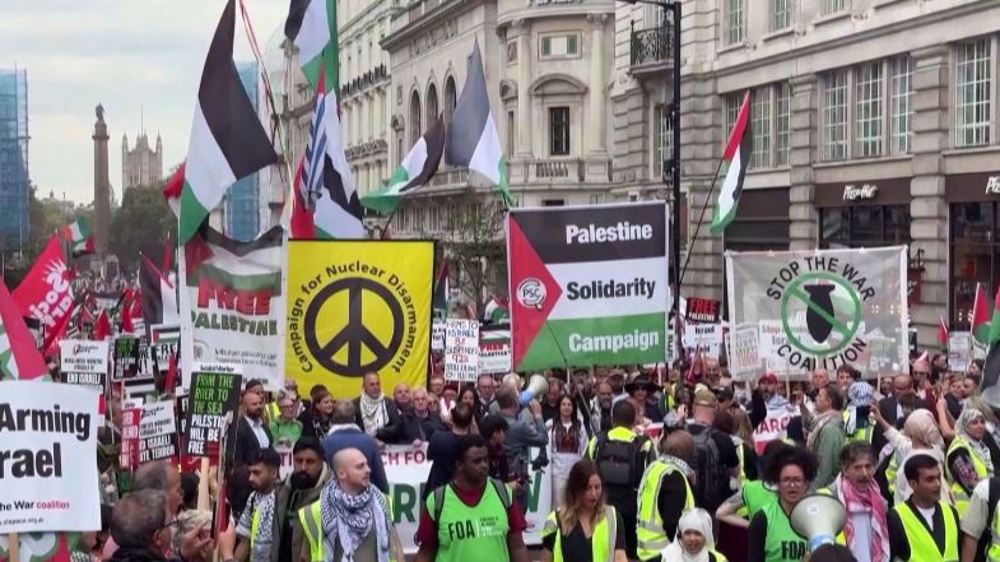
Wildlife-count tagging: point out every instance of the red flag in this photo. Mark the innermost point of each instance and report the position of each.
(102, 327)
(173, 188)
(127, 326)
(19, 356)
(170, 382)
(942, 333)
(52, 337)
(980, 321)
(45, 293)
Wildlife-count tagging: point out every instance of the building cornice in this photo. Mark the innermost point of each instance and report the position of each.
(575, 9)
(398, 38)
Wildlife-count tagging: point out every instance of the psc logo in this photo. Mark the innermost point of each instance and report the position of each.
(531, 293)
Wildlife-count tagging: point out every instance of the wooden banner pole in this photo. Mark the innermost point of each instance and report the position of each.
(13, 547)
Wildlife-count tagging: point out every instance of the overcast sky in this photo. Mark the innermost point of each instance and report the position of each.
(133, 56)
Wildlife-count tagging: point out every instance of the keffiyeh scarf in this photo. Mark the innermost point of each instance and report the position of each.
(349, 519)
(373, 414)
(866, 500)
(264, 541)
(859, 394)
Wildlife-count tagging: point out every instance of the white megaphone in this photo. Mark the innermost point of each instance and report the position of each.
(537, 387)
(819, 518)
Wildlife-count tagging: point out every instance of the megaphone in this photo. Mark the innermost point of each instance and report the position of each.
(537, 387)
(819, 518)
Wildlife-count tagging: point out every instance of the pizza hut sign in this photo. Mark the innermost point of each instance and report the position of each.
(993, 185)
(864, 192)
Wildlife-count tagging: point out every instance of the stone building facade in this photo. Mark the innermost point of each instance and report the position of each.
(142, 164)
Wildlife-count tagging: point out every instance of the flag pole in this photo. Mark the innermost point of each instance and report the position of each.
(701, 218)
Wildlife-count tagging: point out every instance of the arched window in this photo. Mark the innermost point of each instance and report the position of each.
(415, 129)
(449, 99)
(432, 104)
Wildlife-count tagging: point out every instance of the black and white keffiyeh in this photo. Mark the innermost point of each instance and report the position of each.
(350, 518)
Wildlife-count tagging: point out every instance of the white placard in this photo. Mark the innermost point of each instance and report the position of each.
(83, 356)
(744, 360)
(438, 332)
(959, 351)
(49, 481)
(157, 432)
(495, 355)
(703, 339)
(461, 351)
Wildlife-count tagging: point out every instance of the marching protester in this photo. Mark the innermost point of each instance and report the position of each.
(980, 533)
(891, 409)
(923, 527)
(494, 431)
(257, 523)
(826, 434)
(584, 526)
(968, 461)
(865, 529)
(920, 436)
(142, 527)
(771, 537)
(568, 441)
(317, 419)
(857, 422)
(521, 437)
(486, 394)
(441, 450)
(351, 520)
(600, 408)
(695, 540)
(471, 500)
(715, 460)
(621, 458)
(374, 411)
(640, 393)
(251, 433)
(665, 492)
(285, 427)
(345, 434)
(301, 488)
(551, 400)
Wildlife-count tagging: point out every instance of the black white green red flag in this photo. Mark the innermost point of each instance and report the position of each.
(588, 285)
(417, 168)
(312, 27)
(79, 237)
(228, 141)
(737, 155)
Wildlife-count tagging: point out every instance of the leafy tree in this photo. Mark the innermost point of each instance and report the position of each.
(141, 224)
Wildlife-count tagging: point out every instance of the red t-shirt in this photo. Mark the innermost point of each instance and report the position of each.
(427, 531)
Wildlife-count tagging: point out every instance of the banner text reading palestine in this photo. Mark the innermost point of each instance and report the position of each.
(243, 302)
(44, 463)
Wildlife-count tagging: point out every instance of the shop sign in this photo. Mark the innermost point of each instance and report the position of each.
(864, 192)
(993, 185)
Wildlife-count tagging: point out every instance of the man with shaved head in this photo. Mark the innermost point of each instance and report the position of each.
(352, 519)
(891, 408)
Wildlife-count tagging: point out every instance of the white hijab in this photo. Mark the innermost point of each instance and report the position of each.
(698, 520)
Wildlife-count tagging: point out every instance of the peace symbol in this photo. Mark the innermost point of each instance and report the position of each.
(354, 334)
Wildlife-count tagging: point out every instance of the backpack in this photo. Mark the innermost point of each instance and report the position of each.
(618, 461)
(711, 484)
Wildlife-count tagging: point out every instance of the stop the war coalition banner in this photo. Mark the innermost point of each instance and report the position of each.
(821, 309)
(232, 304)
(589, 285)
(48, 433)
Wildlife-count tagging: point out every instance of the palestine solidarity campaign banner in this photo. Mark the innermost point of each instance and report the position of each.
(588, 285)
(821, 309)
(232, 303)
(357, 306)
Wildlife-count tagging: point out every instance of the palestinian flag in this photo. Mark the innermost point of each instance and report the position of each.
(980, 321)
(19, 355)
(159, 298)
(737, 154)
(472, 140)
(439, 299)
(102, 326)
(79, 238)
(942, 334)
(220, 262)
(312, 27)
(497, 310)
(588, 285)
(228, 141)
(419, 166)
(994, 331)
(326, 202)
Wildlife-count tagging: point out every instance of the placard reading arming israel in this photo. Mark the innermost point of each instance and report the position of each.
(826, 307)
(588, 285)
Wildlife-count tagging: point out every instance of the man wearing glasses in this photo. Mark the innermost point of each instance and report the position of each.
(142, 525)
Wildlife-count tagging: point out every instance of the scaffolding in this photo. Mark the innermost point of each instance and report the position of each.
(14, 183)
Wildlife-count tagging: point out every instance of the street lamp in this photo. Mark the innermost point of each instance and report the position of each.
(673, 164)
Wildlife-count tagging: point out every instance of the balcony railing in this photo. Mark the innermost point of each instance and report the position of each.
(651, 46)
(373, 76)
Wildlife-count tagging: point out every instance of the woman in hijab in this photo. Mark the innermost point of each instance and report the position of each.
(695, 541)
(968, 460)
(920, 435)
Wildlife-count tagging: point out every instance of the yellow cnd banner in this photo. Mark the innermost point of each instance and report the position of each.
(356, 306)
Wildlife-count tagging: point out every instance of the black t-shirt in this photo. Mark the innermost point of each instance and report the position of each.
(441, 452)
(577, 547)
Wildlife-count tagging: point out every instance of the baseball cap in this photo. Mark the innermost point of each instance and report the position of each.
(768, 377)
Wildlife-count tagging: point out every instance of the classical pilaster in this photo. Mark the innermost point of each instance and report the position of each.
(520, 31)
(928, 209)
(595, 135)
(803, 227)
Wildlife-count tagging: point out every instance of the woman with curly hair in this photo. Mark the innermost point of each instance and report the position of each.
(772, 539)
